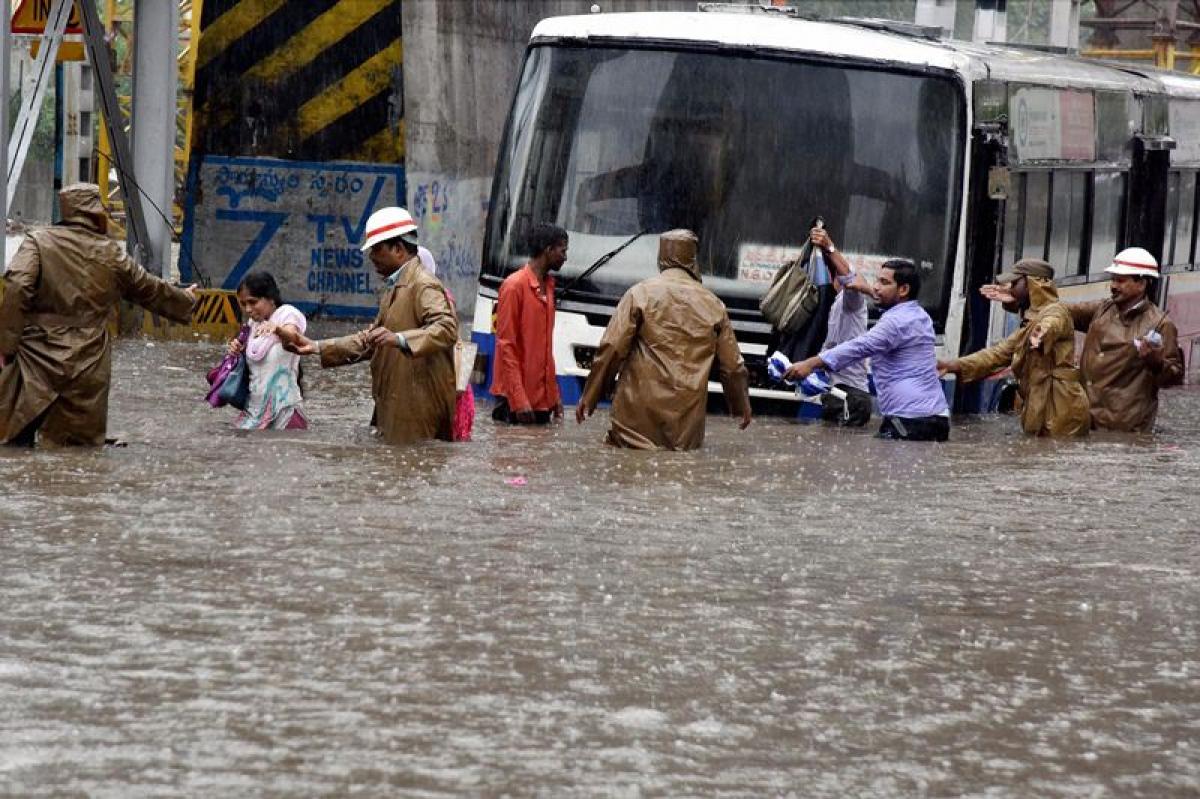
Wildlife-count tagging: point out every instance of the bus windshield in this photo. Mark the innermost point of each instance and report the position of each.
(743, 150)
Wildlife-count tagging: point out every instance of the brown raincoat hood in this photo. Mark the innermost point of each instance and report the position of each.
(1042, 292)
(677, 250)
(79, 204)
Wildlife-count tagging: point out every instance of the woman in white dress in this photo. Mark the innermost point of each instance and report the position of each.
(276, 400)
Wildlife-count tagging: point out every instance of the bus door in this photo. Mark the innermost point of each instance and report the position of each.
(988, 183)
(1146, 217)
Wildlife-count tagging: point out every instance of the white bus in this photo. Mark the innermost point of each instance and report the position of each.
(744, 126)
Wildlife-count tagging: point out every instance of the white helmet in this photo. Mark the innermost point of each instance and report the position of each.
(388, 223)
(1134, 261)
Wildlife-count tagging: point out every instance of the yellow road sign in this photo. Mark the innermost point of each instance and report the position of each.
(31, 16)
(67, 51)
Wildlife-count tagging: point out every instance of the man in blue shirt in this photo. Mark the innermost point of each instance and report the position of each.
(901, 349)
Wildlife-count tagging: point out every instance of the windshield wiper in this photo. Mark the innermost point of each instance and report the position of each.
(601, 261)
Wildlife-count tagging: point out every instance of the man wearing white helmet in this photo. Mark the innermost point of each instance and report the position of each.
(1130, 350)
(411, 343)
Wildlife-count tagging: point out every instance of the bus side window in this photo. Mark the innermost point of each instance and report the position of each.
(1037, 210)
(1013, 207)
(1172, 212)
(1067, 210)
(1185, 232)
(1181, 209)
(1108, 205)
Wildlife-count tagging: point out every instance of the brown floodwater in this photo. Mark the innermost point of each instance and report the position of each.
(793, 610)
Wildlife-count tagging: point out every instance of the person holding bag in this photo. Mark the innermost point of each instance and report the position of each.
(274, 399)
(229, 381)
(798, 302)
(411, 344)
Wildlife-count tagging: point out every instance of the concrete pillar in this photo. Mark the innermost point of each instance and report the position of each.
(78, 121)
(5, 122)
(938, 13)
(991, 22)
(155, 77)
(1064, 24)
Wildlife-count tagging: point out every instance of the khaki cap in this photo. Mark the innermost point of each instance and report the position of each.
(1027, 267)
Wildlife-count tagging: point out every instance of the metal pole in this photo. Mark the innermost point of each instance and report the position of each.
(5, 94)
(155, 81)
(31, 105)
(59, 130)
(135, 220)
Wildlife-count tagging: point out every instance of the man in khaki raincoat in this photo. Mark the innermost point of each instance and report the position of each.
(1131, 347)
(1041, 353)
(662, 340)
(410, 345)
(59, 291)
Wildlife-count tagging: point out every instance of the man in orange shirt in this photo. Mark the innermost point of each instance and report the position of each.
(524, 383)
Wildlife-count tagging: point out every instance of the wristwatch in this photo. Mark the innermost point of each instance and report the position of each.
(831, 248)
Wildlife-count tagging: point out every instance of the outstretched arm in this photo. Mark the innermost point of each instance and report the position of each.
(983, 363)
(1082, 313)
(610, 355)
(155, 294)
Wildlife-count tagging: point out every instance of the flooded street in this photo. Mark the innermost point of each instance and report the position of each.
(791, 611)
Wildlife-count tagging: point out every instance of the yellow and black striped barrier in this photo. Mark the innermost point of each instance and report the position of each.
(216, 316)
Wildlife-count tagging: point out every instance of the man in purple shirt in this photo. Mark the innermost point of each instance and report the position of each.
(900, 347)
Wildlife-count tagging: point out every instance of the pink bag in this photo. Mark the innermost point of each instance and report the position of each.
(464, 415)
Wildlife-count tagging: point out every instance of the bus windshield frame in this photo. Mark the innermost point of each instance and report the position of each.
(743, 147)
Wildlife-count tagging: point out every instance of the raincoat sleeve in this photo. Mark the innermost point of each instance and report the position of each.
(439, 325)
(1056, 324)
(614, 348)
(20, 285)
(1082, 314)
(731, 370)
(983, 363)
(1171, 371)
(345, 350)
(154, 293)
(508, 358)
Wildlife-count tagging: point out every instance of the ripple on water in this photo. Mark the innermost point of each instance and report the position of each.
(792, 610)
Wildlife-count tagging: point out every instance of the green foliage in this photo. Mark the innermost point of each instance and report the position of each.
(41, 146)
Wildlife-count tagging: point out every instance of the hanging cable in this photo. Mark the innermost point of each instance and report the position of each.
(183, 249)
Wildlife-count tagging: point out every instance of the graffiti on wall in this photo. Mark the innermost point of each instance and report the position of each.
(450, 215)
(302, 222)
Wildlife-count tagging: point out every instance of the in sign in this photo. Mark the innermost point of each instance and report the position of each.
(31, 17)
